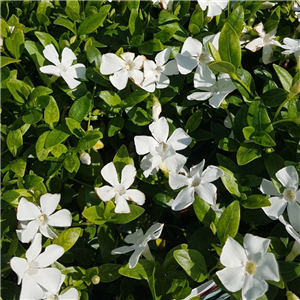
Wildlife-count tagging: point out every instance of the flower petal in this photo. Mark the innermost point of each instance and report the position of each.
(268, 188)
(208, 192)
(119, 79)
(105, 193)
(184, 199)
(51, 254)
(128, 176)
(67, 57)
(200, 96)
(61, 218)
(51, 54)
(19, 266)
(71, 294)
(154, 232)
(232, 278)
(48, 279)
(211, 173)
(136, 196)
(123, 249)
(179, 139)
(197, 169)
(28, 233)
(233, 254)
(71, 82)
(134, 237)
(47, 232)
(109, 173)
(192, 47)
(216, 100)
(134, 258)
(185, 64)
(149, 164)
(49, 203)
(170, 68)
(160, 129)
(253, 287)
(35, 248)
(77, 71)
(111, 63)
(267, 268)
(255, 247)
(144, 143)
(128, 56)
(293, 210)
(278, 205)
(163, 81)
(204, 77)
(27, 210)
(136, 76)
(255, 45)
(267, 54)
(139, 61)
(214, 8)
(176, 181)
(30, 289)
(51, 70)
(122, 206)
(162, 57)
(288, 177)
(175, 162)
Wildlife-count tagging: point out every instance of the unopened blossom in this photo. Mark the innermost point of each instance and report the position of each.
(34, 218)
(32, 270)
(215, 7)
(139, 242)
(294, 252)
(265, 41)
(248, 268)
(195, 54)
(289, 197)
(122, 68)
(156, 109)
(156, 72)
(85, 158)
(291, 46)
(63, 68)
(119, 191)
(217, 92)
(196, 181)
(161, 150)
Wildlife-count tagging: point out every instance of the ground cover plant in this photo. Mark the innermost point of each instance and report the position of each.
(150, 150)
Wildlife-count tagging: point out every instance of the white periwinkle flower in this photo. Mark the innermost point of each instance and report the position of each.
(290, 197)
(194, 54)
(292, 47)
(196, 181)
(156, 73)
(122, 68)
(120, 191)
(161, 150)
(33, 271)
(265, 41)
(85, 158)
(296, 9)
(248, 268)
(217, 92)
(34, 218)
(63, 68)
(140, 244)
(165, 4)
(201, 289)
(215, 7)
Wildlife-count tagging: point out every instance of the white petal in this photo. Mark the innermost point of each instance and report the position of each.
(51, 70)
(123, 249)
(197, 169)
(105, 193)
(208, 192)
(51, 254)
(134, 237)
(184, 199)
(225, 84)
(278, 205)
(71, 294)
(67, 57)
(77, 71)
(128, 56)
(255, 247)
(211, 173)
(267, 54)
(233, 254)
(293, 210)
(47, 232)
(176, 181)
(48, 279)
(35, 248)
(149, 164)
(185, 64)
(288, 176)
(49, 203)
(170, 68)
(292, 232)
(154, 231)
(214, 9)
(268, 188)
(143, 144)
(201, 289)
(19, 266)
(139, 61)
(175, 162)
(192, 47)
(109, 173)
(179, 139)
(27, 210)
(160, 129)
(136, 76)
(232, 278)
(122, 206)
(255, 45)
(253, 287)
(163, 81)
(71, 82)
(162, 57)
(51, 54)
(119, 79)
(136, 196)
(30, 289)
(61, 218)
(214, 39)
(267, 268)
(134, 258)
(216, 100)
(204, 77)
(28, 233)
(128, 176)
(200, 96)
(111, 64)
(149, 66)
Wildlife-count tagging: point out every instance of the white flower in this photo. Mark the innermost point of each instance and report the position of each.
(122, 68)
(265, 41)
(215, 93)
(156, 73)
(201, 289)
(63, 68)
(156, 109)
(34, 218)
(120, 191)
(161, 150)
(292, 47)
(296, 9)
(33, 271)
(194, 54)
(215, 7)
(294, 252)
(290, 197)
(165, 4)
(140, 244)
(85, 158)
(248, 268)
(197, 181)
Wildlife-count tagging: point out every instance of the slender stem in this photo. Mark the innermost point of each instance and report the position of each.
(82, 224)
(234, 76)
(280, 107)
(282, 121)
(82, 183)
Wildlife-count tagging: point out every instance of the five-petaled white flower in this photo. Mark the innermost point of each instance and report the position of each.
(33, 271)
(290, 197)
(63, 68)
(120, 191)
(161, 150)
(265, 41)
(292, 47)
(156, 73)
(215, 7)
(34, 218)
(194, 54)
(248, 268)
(122, 68)
(140, 244)
(217, 92)
(197, 181)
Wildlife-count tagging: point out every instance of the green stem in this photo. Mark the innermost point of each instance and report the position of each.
(282, 121)
(82, 224)
(234, 77)
(280, 107)
(82, 183)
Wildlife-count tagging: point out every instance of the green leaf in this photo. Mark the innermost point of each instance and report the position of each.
(94, 56)
(19, 167)
(56, 136)
(75, 127)
(236, 19)
(109, 272)
(139, 116)
(222, 67)
(15, 44)
(247, 152)
(46, 39)
(284, 76)
(135, 212)
(40, 91)
(135, 98)
(122, 158)
(14, 141)
(80, 108)
(289, 270)
(196, 21)
(106, 242)
(132, 18)
(255, 201)
(51, 113)
(247, 79)
(229, 222)
(91, 23)
(111, 98)
(41, 151)
(72, 10)
(194, 121)
(204, 212)
(143, 270)
(68, 238)
(228, 144)
(32, 116)
(95, 214)
(192, 262)
(42, 11)
(231, 182)
(273, 163)
(229, 46)
(72, 163)
(19, 89)
(213, 52)
(90, 139)
(274, 98)
(165, 16)
(4, 61)
(115, 125)
(65, 23)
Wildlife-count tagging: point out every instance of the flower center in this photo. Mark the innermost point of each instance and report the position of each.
(32, 267)
(250, 267)
(53, 297)
(158, 70)
(164, 146)
(128, 66)
(42, 219)
(62, 67)
(120, 189)
(289, 195)
(196, 181)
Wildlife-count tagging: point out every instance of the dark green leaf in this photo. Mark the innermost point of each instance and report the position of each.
(247, 152)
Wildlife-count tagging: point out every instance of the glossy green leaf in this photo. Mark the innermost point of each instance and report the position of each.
(122, 158)
(194, 121)
(46, 39)
(56, 136)
(95, 214)
(109, 272)
(90, 139)
(68, 238)
(111, 98)
(75, 127)
(236, 19)
(65, 23)
(255, 201)
(143, 270)
(4, 61)
(51, 113)
(41, 151)
(231, 182)
(72, 163)
(14, 141)
(284, 76)
(115, 125)
(135, 212)
(32, 116)
(80, 108)
(222, 67)
(247, 152)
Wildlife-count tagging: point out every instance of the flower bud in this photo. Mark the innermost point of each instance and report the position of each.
(98, 145)
(85, 158)
(291, 296)
(95, 279)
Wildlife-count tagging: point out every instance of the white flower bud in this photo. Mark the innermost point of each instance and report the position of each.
(85, 158)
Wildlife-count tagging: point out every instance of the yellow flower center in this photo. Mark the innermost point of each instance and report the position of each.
(289, 195)
(250, 267)
(196, 182)
(128, 65)
(42, 219)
